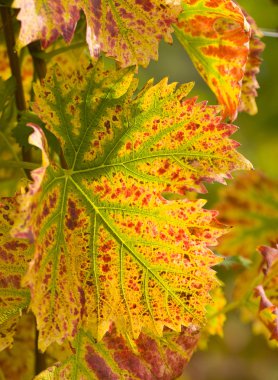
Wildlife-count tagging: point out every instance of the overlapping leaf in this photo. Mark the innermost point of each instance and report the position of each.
(215, 318)
(114, 359)
(250, 204)
(249, 82)
(268, 291)
(9, 150)
(126, 30)
(108, 246)
(26, 65)
(215, 34)
(14, 257)
(18, 362)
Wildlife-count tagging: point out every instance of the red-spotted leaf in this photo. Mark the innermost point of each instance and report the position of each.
(114, 359)
(268, 291)
(129, 31)
(14, 257)
(249, 82)
(216, 35)
(108, 246)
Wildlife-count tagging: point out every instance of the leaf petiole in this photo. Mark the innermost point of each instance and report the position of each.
(18, 164)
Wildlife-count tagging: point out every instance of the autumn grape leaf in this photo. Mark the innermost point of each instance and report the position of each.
(126, 30)
(122, 153)
(14, 257)
(250, 205)
(215, 34)
(268, 290)
(249, 82)
(113, 358)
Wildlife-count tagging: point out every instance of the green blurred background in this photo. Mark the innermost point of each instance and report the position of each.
(240, 355)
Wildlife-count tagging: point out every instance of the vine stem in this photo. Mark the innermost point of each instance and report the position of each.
(7, 22)
(227, 309)
(18, 164)
(38, 62)
(270, 33)
(13, 57)
(40, 359)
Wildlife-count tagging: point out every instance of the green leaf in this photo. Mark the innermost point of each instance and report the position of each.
(126, 30)
(109, 247)
(215, 34)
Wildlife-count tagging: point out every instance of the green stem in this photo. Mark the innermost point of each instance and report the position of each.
(47, 56)
(39, 63)
(40, 359)
(18, 164)
(227, 309)
(13, 57)
(7, 22)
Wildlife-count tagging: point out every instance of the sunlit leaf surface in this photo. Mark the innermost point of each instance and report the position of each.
(109, 247)
(215, 34)
(129, 31)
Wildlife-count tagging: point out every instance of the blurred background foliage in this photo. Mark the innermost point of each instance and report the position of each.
(241, 353)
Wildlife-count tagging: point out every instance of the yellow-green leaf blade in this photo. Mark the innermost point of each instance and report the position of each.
(109, 247)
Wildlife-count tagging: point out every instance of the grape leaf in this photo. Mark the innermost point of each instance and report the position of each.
(215, 34)
(122, 153)
(113, 358)
(249, 82)
(14, 257)
(268, 290)
(126, 30)
(250, 204)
